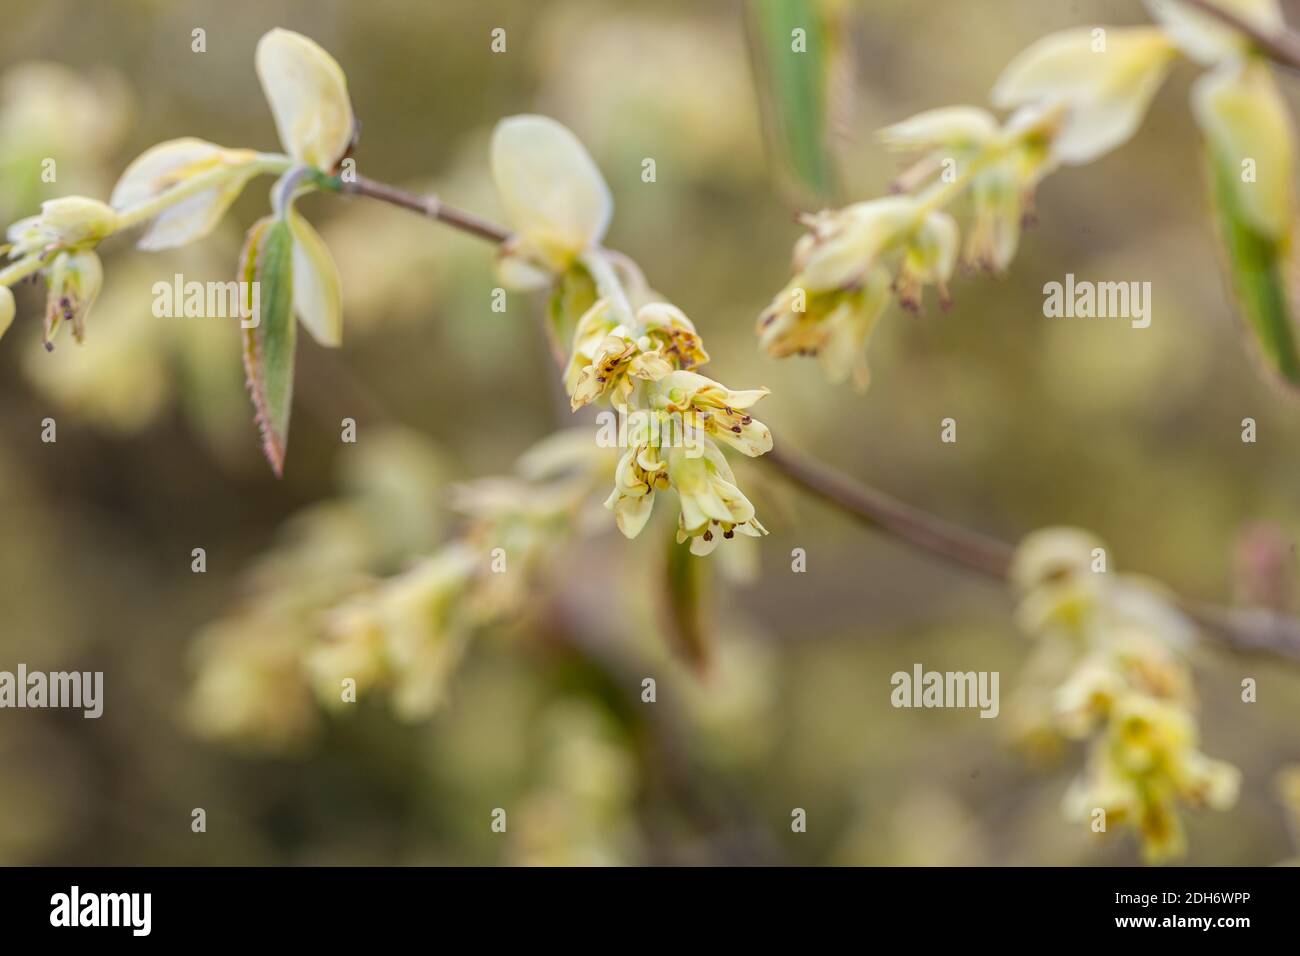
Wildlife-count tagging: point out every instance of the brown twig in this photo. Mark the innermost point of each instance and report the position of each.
(430, 206)
(1282, 47)
(1247, 629)
(970, 549)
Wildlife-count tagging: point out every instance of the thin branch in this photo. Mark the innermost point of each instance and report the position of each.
(1282, 47)
(970, 549)
(1252, 629)
(430, 206)
(1246, 628)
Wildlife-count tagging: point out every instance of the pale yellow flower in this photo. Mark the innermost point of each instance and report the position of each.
(1104, 80)
(842, 279)
(928, 259)
(424, 637)
(1053, 554)
(1000, 203)
(170, 164)
(712, 507)
(308, 94)
(555, 198)
(608, 355)
(720, 411)
(1127, 685)
(1204, 782)
(641, 471)
(353, 649)
(1086, 697)
(834, 326)
(842, 245)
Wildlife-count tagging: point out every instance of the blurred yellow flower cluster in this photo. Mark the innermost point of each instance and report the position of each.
(344, 627)
(1119, 650)
(1076, 95)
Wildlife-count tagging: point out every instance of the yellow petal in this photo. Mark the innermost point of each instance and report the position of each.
(955, 126)
(553, 193)
(631, 514)
(7, 308)
(1245, 118)
(937, 243)
(849, 241)
(171, 164)
(317, 296)
(848, 328)
(1105, 83)
(1208, 40)
(1052, 554)
(308, 94)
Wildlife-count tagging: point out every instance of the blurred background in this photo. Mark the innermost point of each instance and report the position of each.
(1133, 435)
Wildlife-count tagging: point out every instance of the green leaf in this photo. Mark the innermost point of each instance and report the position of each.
(1262, 270)
(792, 71)
(686, 608)
(267, 259)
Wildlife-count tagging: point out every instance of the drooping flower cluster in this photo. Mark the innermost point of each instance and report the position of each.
(1117, 650)
(406, 634)
(1076, 95)
(60, 245)
(327, 624)
(628, 347)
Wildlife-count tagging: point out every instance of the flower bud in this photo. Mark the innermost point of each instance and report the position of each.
(72, 223)
(712, 506)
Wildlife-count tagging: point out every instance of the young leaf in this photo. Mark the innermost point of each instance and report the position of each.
(1263, 273)
(790, 50)
(685, 605)
(267, 260)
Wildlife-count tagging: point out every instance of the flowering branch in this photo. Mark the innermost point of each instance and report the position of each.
(1246, 628)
